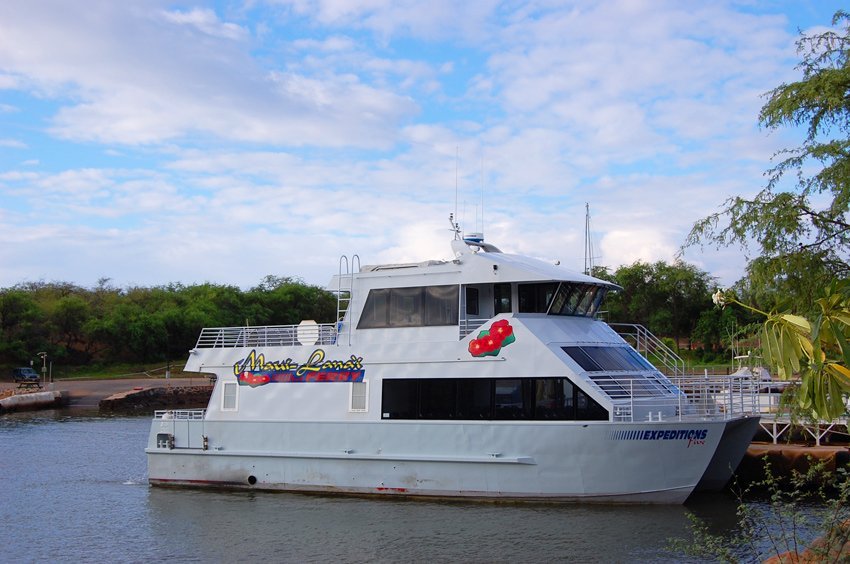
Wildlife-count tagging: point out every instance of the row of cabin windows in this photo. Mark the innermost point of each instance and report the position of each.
(541, 399)
(427, 306)
(422, 306)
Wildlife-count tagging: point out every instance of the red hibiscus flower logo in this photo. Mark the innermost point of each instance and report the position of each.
(490, 342)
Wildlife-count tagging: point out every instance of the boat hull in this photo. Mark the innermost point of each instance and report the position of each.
(651, 462)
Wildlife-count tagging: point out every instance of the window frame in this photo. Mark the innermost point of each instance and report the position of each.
(224, 396)
(352, 396)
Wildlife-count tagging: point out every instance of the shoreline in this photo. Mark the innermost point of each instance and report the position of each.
(89, 393)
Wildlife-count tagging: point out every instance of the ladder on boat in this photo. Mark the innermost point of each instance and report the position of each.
(344, 294)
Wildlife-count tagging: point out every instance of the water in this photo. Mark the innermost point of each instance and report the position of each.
(74, 489)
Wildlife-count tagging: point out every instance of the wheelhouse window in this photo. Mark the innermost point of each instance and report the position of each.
(420, 306)
(577, 299)
(488, 399)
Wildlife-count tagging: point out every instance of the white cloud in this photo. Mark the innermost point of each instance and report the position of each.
(275, 136)
(207, 22)
(12, 144)
(125, 79)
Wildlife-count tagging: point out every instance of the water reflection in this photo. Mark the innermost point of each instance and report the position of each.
(296, 527)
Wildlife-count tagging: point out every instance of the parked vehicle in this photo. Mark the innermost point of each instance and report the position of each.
(25, 374)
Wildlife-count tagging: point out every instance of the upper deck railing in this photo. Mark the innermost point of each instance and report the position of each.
(267, 336)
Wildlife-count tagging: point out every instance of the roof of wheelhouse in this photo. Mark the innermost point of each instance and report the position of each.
(476, 262)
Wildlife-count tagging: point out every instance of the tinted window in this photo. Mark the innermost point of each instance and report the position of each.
(535, 298)
(437, 399)
(474, 398)
(400, 399)
(472, 301)
(577, 299)
(597, 359)
(488, 398)
(502, 298)
(410, 307)
(441, 305)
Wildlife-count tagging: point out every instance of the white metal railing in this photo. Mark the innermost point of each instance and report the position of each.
(179, 414)
(694, 397)
(470, 324)
(266, 336)
(649, 345)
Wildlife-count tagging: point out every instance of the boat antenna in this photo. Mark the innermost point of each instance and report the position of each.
(482, 194)
(588, 242)
(455, 226)
(457, 159)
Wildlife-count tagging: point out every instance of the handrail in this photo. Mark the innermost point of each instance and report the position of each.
(648, 344)
(695, 397)
(469, 324)
(179, 414)
(263, 336)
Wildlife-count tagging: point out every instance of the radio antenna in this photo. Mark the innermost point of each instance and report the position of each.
(457, 159)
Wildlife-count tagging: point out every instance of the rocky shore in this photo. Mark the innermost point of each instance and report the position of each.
(145, 401)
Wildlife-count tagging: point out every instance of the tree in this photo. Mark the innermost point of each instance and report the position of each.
(22, 325)
(817, 349)
(799, 220)
(666, 298)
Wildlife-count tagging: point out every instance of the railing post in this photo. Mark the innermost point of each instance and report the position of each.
(679, 395)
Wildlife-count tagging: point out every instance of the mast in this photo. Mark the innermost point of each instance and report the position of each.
(588, 244)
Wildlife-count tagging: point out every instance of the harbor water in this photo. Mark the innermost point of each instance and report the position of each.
(74, 489)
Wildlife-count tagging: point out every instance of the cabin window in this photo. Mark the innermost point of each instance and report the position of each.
(406, 307)
(535, 298)
(554, 398)
(400, 399)
(512, 399)
(229, 396)
(587, 409)
(441, 305)
(421, 306)
(474, 398)
(359, 398)
(502, 298)
(471, 301)
(437, 399)
(488, 399)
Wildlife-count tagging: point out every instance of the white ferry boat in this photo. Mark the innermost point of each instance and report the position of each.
(487, 376)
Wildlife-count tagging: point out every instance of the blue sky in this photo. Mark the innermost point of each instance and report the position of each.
(153, 141)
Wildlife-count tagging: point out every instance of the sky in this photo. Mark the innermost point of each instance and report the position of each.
(151, 142)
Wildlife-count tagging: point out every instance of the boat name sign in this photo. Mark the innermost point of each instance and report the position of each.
(254, 370)
(695, 437)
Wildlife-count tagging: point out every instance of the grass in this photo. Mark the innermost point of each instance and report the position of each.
(105, 371)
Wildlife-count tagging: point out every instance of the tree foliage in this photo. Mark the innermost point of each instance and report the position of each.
(799, 220)
(76, 325)
(816, 349)
(666, 298)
